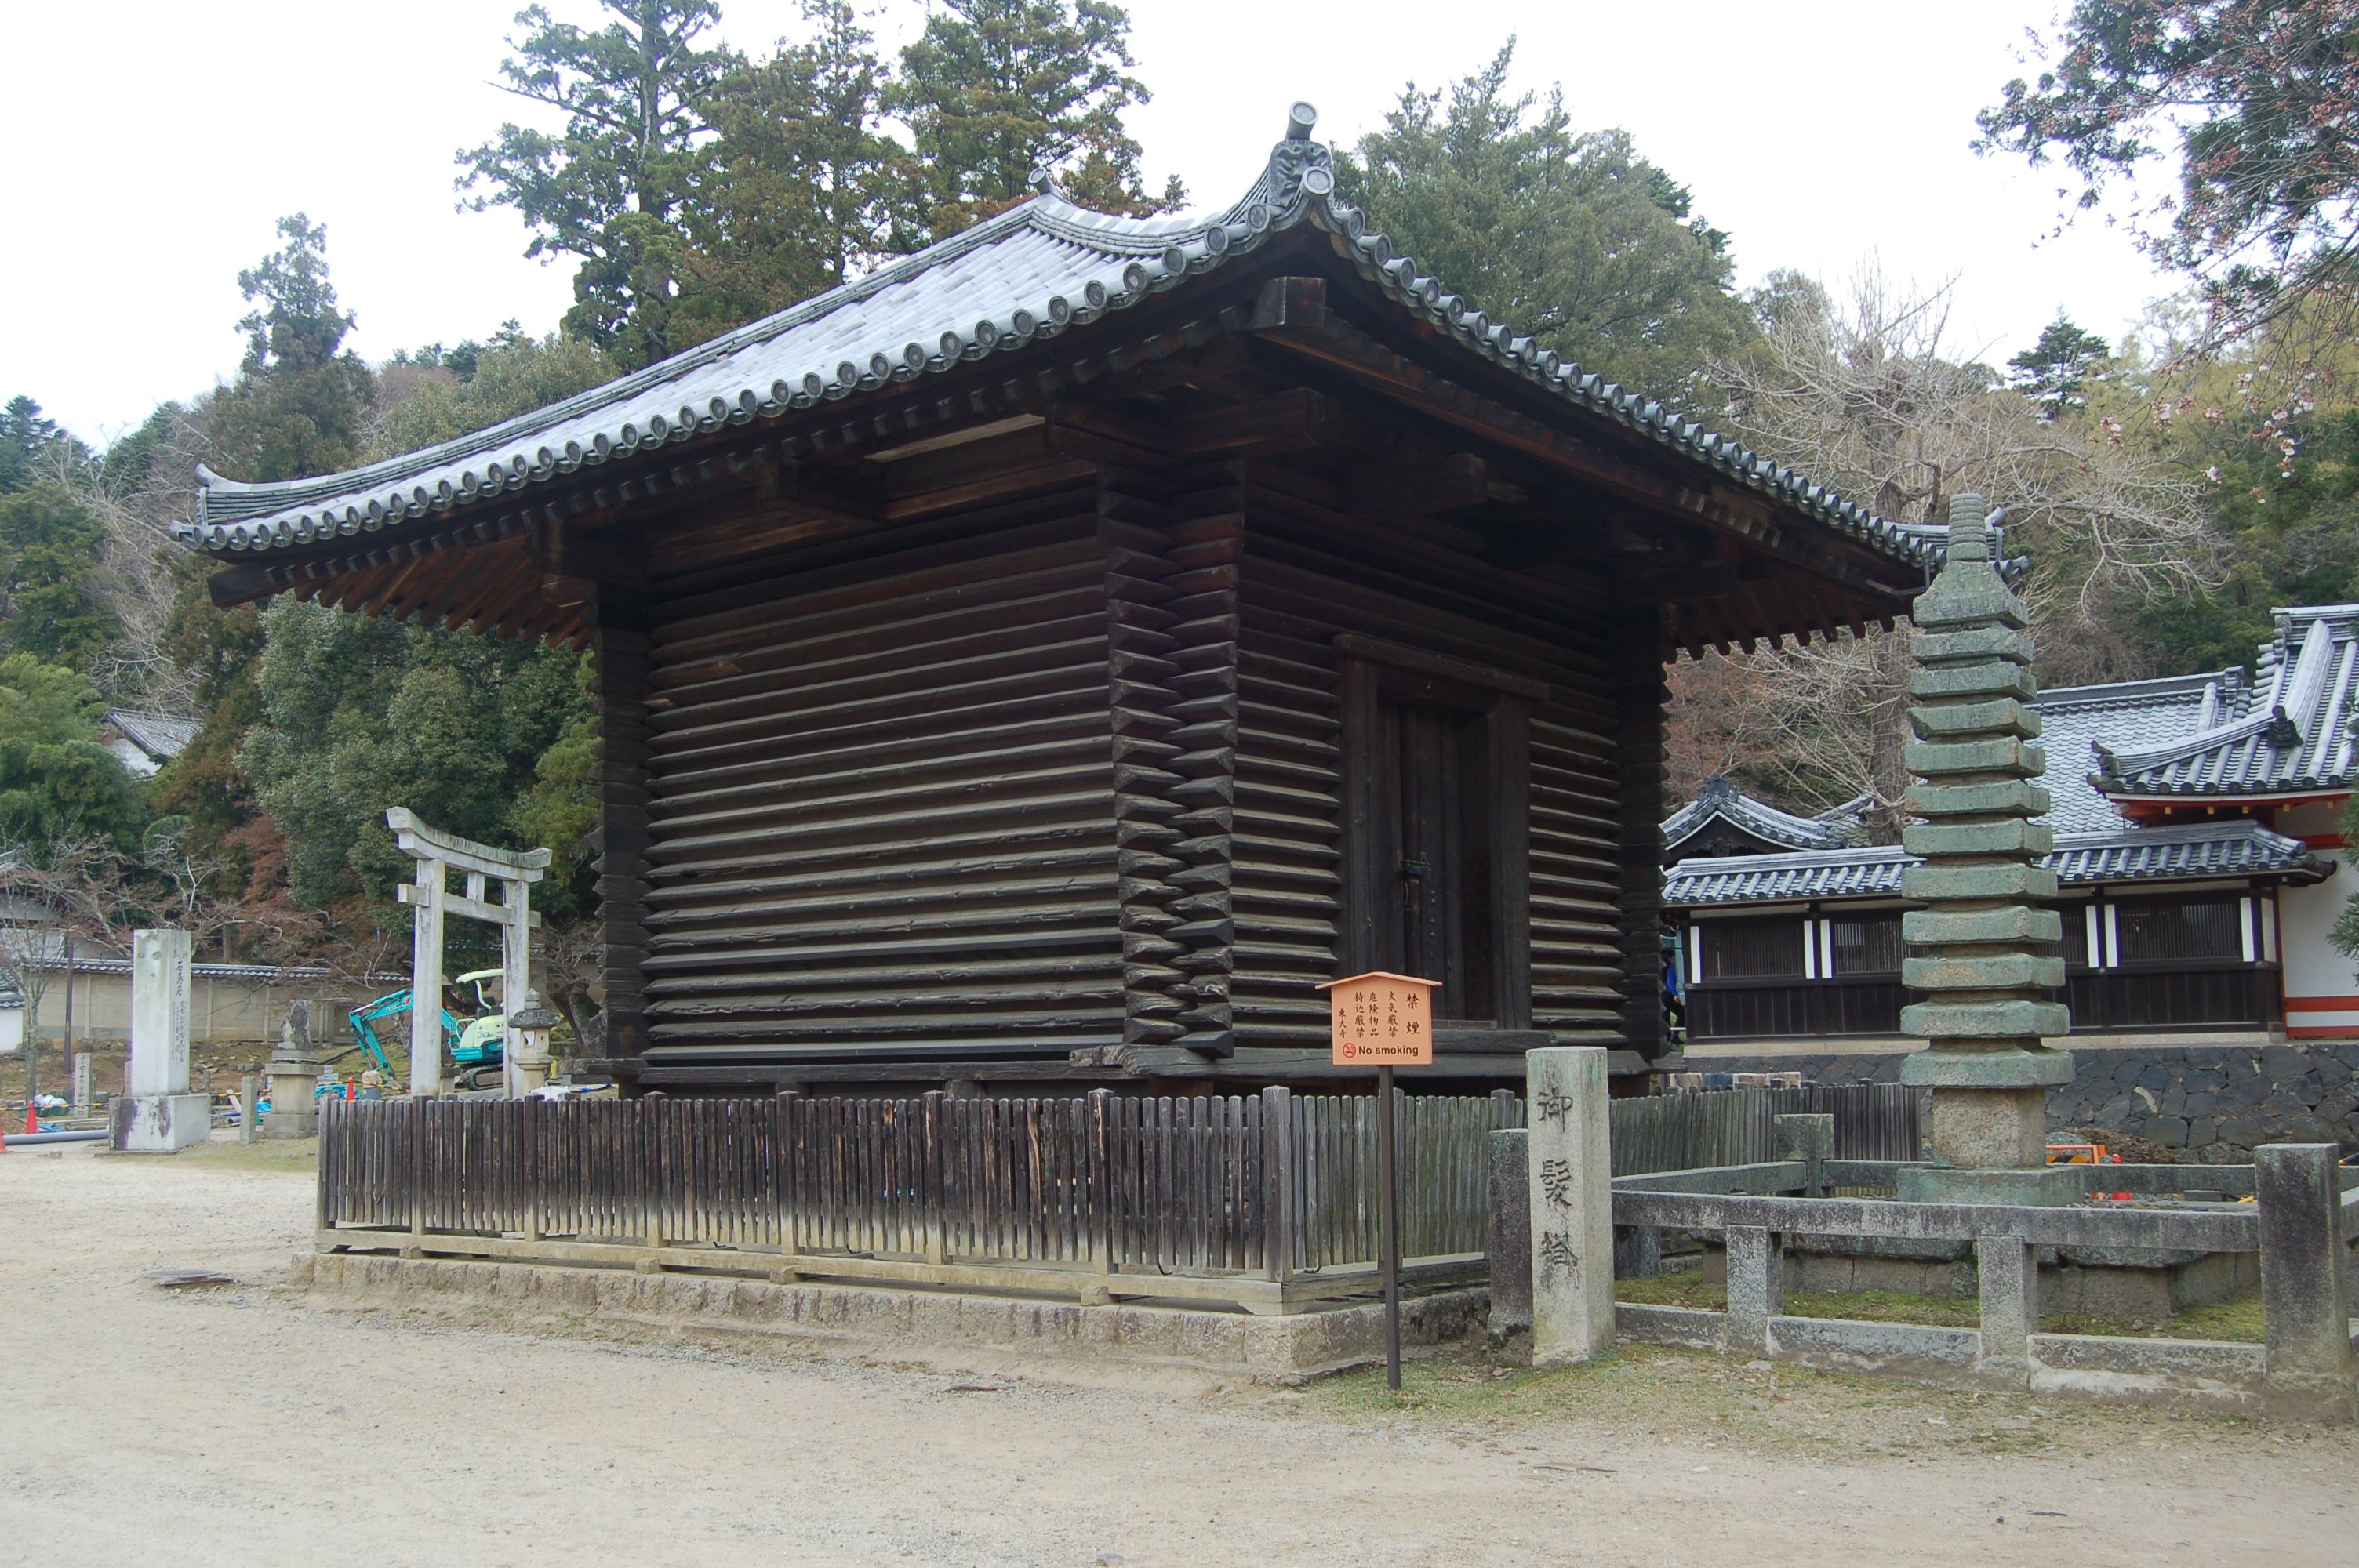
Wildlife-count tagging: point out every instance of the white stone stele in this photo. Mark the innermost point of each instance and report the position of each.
(160, 1116)
(1573, 1205)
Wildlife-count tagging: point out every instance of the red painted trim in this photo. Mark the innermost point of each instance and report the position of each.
(2338, 1032)
(2323, 1003)
(2320, 840)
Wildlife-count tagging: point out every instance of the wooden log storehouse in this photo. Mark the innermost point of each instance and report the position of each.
(1043, 660)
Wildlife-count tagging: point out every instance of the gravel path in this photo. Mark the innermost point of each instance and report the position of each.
(236, 1425)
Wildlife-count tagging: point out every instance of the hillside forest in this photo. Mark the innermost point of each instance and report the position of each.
(2166, 490)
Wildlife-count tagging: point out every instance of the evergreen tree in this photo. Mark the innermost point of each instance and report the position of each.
(50, 548)
(358, 714)
(33, 448)
(57, 783)
(803, 190)
(992, 87)
(2050, 372)
(301, 400)
(1570, 236)
(609, 188)
(299, 406)
(479, 385)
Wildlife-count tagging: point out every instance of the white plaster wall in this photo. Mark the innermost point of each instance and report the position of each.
(2314, 972)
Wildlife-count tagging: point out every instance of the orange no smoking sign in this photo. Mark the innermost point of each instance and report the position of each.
(1380, 1019)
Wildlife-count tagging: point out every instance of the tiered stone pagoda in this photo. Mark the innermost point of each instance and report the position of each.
(1982, 950)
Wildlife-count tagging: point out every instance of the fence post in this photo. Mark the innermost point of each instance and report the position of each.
(2008, 1272)
(936, 1187)
(1809, 1138)
(1572, 1195)
(1756, 1287)
(1278, 1175)
(528, 1173)
(417, 1178)
(783, 1106)
(2305, 1278)
(1510, 1232)
(1100, 1224)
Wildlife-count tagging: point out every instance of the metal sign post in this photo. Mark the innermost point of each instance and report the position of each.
(1383, 1021)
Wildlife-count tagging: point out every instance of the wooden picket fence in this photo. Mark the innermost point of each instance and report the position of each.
(1268, 1200)
(1700, 1130)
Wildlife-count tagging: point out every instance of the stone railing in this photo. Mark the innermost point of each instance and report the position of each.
(2302, 1227)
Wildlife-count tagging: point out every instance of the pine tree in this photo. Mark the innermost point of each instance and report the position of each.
(804, 189)
(33, 448)
(50, 549)
(609, 188)
(1570, 236)
(299, 406)
(994, 88)
(301, 400)
(2050, 372)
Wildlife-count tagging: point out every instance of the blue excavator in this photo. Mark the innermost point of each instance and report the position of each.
(474, 1046)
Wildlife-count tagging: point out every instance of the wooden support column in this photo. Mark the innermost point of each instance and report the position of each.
(426, 981)
(621, 648)
(1639, 695)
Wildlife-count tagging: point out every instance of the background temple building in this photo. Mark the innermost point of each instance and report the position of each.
(2197, 839)
(1044, 659)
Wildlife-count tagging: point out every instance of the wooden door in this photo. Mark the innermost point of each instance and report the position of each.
(1435, 796)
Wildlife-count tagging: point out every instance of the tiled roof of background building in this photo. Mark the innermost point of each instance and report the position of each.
(2234, 848)
(1720, 800)
(2290, 735)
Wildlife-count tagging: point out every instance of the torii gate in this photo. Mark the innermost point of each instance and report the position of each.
(430, 899)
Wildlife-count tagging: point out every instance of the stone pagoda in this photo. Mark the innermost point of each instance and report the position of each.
(1983, 948)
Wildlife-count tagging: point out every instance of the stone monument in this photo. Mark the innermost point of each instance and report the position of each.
(294, 1072)
(1572, 1185)
(1982, 949)
(158, 1115)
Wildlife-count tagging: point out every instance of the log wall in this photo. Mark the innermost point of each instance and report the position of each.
(882, 817)
(1311, 573)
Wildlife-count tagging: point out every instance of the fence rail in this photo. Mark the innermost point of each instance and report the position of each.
(1268, 1200)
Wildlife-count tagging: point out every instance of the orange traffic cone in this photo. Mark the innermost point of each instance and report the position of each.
(32, 1118)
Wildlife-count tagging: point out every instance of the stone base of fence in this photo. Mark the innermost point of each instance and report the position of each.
(711, 1309)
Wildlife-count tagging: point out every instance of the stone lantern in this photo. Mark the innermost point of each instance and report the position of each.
(532, 1022)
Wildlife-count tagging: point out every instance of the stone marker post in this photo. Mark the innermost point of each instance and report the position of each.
(1573, 1205)
(2305, 1279)
(1509, 1234)
(1974, 948)
(160, 1116)
(82, 1084)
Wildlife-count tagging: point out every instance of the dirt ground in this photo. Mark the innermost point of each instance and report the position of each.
(237, 1425)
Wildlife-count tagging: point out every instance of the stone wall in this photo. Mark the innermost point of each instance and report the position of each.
(2210, 1103)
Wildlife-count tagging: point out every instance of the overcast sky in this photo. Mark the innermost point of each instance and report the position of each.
(158, 143)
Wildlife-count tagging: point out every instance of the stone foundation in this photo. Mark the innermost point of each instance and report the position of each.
(677, 1307)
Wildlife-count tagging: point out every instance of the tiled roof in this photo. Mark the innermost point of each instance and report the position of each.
(2290, 735)
(1039, 269)
(160, 735)
(2237, 848)
(2074, 720)
(1719, 800)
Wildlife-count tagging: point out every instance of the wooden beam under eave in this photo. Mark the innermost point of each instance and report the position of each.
(1715, 503)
